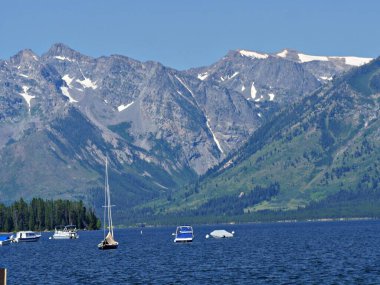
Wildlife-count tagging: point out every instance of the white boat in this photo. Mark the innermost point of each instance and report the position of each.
(108, 241)
(26, 236)
(221, 234)
(184, 234)
(66, 232)
(5, 240)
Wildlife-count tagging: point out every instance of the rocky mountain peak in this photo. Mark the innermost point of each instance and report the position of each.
(24, 56)
(287, 53)
(63, 52)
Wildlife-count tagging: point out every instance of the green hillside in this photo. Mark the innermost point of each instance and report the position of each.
(327, 144)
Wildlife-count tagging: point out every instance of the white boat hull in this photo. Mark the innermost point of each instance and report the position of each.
(5, 242)
(65, 237)
(183, 239)
(221, 234)
(27, 239)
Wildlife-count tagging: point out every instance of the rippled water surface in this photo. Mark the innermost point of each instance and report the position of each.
(278, 253)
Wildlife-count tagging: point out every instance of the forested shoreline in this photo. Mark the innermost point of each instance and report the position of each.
(40, 215)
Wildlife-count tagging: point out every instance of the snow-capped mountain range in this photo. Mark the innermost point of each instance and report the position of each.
(62, 112)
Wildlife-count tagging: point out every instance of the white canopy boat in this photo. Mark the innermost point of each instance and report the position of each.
(221, 234)
(65, 232)
(26, 236)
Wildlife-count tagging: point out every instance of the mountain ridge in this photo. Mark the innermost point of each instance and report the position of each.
(160, 127)
(339, 122)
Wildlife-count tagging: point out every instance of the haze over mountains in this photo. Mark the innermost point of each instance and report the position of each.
(61, 113)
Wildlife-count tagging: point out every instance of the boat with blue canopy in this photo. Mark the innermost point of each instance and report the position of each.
(5, 240)
(184, 234)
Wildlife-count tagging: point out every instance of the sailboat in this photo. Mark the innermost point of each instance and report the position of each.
(108, 241)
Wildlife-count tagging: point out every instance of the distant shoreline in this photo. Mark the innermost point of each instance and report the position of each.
(147, 225)
(327, 220)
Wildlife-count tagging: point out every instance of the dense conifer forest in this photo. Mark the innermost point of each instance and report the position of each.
(39, 215)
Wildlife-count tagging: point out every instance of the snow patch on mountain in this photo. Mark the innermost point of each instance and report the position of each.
(23, 75)
(65, 92)
(159, 185)
(243, 88)
(349, 60)
(354, 61)
(326, 78)
(87, 83)
(283, 53)
(63, 58)
(253, 91)
(213, 135)
(184, 97)
(184, 85)
(188, 89)
(233, 75)
(123, 107)
(202, 76)
(68, 80)
(26, 95)
(259, 99)
(271, 96)
(253, 54)
(307, 58)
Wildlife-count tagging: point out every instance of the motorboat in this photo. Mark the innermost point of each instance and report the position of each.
(184, 234)
(5, 240)
(66, 232)
(221, 234)
(26, 236)
(108, 241)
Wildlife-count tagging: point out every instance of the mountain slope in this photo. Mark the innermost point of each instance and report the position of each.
(278, 78)
(61, 113)
(323, 145)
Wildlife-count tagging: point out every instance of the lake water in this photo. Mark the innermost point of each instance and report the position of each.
(277, 253)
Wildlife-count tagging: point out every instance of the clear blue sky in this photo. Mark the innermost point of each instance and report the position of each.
(191, 33)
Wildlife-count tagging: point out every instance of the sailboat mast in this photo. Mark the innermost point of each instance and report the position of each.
(110, 225)
(105, 201)
(110, 210)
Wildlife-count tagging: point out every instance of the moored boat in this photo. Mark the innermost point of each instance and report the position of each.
(108, 242)
(184, 234)
(221, 234)
(66, 232)
(5, 240)
(26, 236)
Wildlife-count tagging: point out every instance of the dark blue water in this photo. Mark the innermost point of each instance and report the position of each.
(296, 253)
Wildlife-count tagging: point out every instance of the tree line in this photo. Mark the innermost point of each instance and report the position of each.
(39, 215)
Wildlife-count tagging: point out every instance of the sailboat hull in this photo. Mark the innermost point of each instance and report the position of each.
(102, 246)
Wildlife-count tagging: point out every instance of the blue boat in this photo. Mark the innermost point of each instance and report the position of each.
(184, 234)
(5, 240)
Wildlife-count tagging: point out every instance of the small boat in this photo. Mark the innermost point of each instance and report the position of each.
(108, 241)
(221, 234)
(65, 232)
(26, 236)
(184, 234)
(5, 240)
